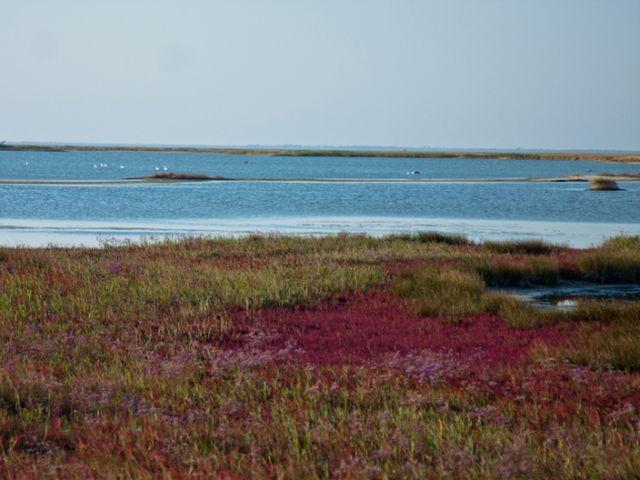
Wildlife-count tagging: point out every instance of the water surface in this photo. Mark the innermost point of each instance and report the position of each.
(83, 214)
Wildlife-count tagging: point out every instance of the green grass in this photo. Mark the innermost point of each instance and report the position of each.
(448, 293)
(510, 271)
(610, 265)
(617, 260)
(622, 242)
(616, 346)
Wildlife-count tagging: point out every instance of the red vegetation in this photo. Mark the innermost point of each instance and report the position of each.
(364, 327)
(482, 355)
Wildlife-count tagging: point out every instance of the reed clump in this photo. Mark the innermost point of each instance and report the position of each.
(617, 346)
(515, 271)
(448, 293)
(434, 237)
(527, 247)
(616, 262)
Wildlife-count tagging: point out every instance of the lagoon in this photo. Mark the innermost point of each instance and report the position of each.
(88, 214)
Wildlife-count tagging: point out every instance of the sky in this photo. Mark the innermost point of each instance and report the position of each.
(532, 74)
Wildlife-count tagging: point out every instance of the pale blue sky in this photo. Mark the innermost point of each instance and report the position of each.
(487, 74)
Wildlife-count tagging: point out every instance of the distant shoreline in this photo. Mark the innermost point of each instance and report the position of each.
(453, 154)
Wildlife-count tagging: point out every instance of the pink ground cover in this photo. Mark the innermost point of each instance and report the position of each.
(364, 327)
(481, 355)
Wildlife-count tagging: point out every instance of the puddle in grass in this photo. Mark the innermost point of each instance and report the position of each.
(566, 296)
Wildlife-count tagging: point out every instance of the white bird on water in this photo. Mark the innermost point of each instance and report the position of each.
(157, 168)
(165, 168)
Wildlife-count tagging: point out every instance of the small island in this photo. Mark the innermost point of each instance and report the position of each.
(179, 177)
(602, 184)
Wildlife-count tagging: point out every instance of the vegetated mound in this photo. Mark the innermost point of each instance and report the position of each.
(604, 184)
(179, 176)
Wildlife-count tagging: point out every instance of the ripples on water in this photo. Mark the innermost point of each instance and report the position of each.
(74, 214)
(91, 166)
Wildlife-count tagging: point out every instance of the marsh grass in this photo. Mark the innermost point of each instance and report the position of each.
(622, 242)
(501, 271)
(454, 295)
(515, 312)
(126, 362)
(602, 311)
(448, 293)
(610, 265)
(434, 237)
(528, 247)
(616, 347)
(607, 335)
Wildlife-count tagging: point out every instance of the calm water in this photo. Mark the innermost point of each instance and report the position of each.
(567, 295)
(73, 214)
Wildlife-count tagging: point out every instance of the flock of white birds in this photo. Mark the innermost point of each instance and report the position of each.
(106, 165)
(165, 168)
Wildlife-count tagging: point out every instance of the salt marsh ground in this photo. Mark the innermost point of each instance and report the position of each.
(342, 357)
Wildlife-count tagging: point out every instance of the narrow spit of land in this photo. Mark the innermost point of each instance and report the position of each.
(173, 178)
(467, 154)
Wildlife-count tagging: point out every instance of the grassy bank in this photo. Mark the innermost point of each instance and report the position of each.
(333, 357)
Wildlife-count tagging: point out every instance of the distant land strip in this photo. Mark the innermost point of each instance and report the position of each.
(198, 178)
(478, 155)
